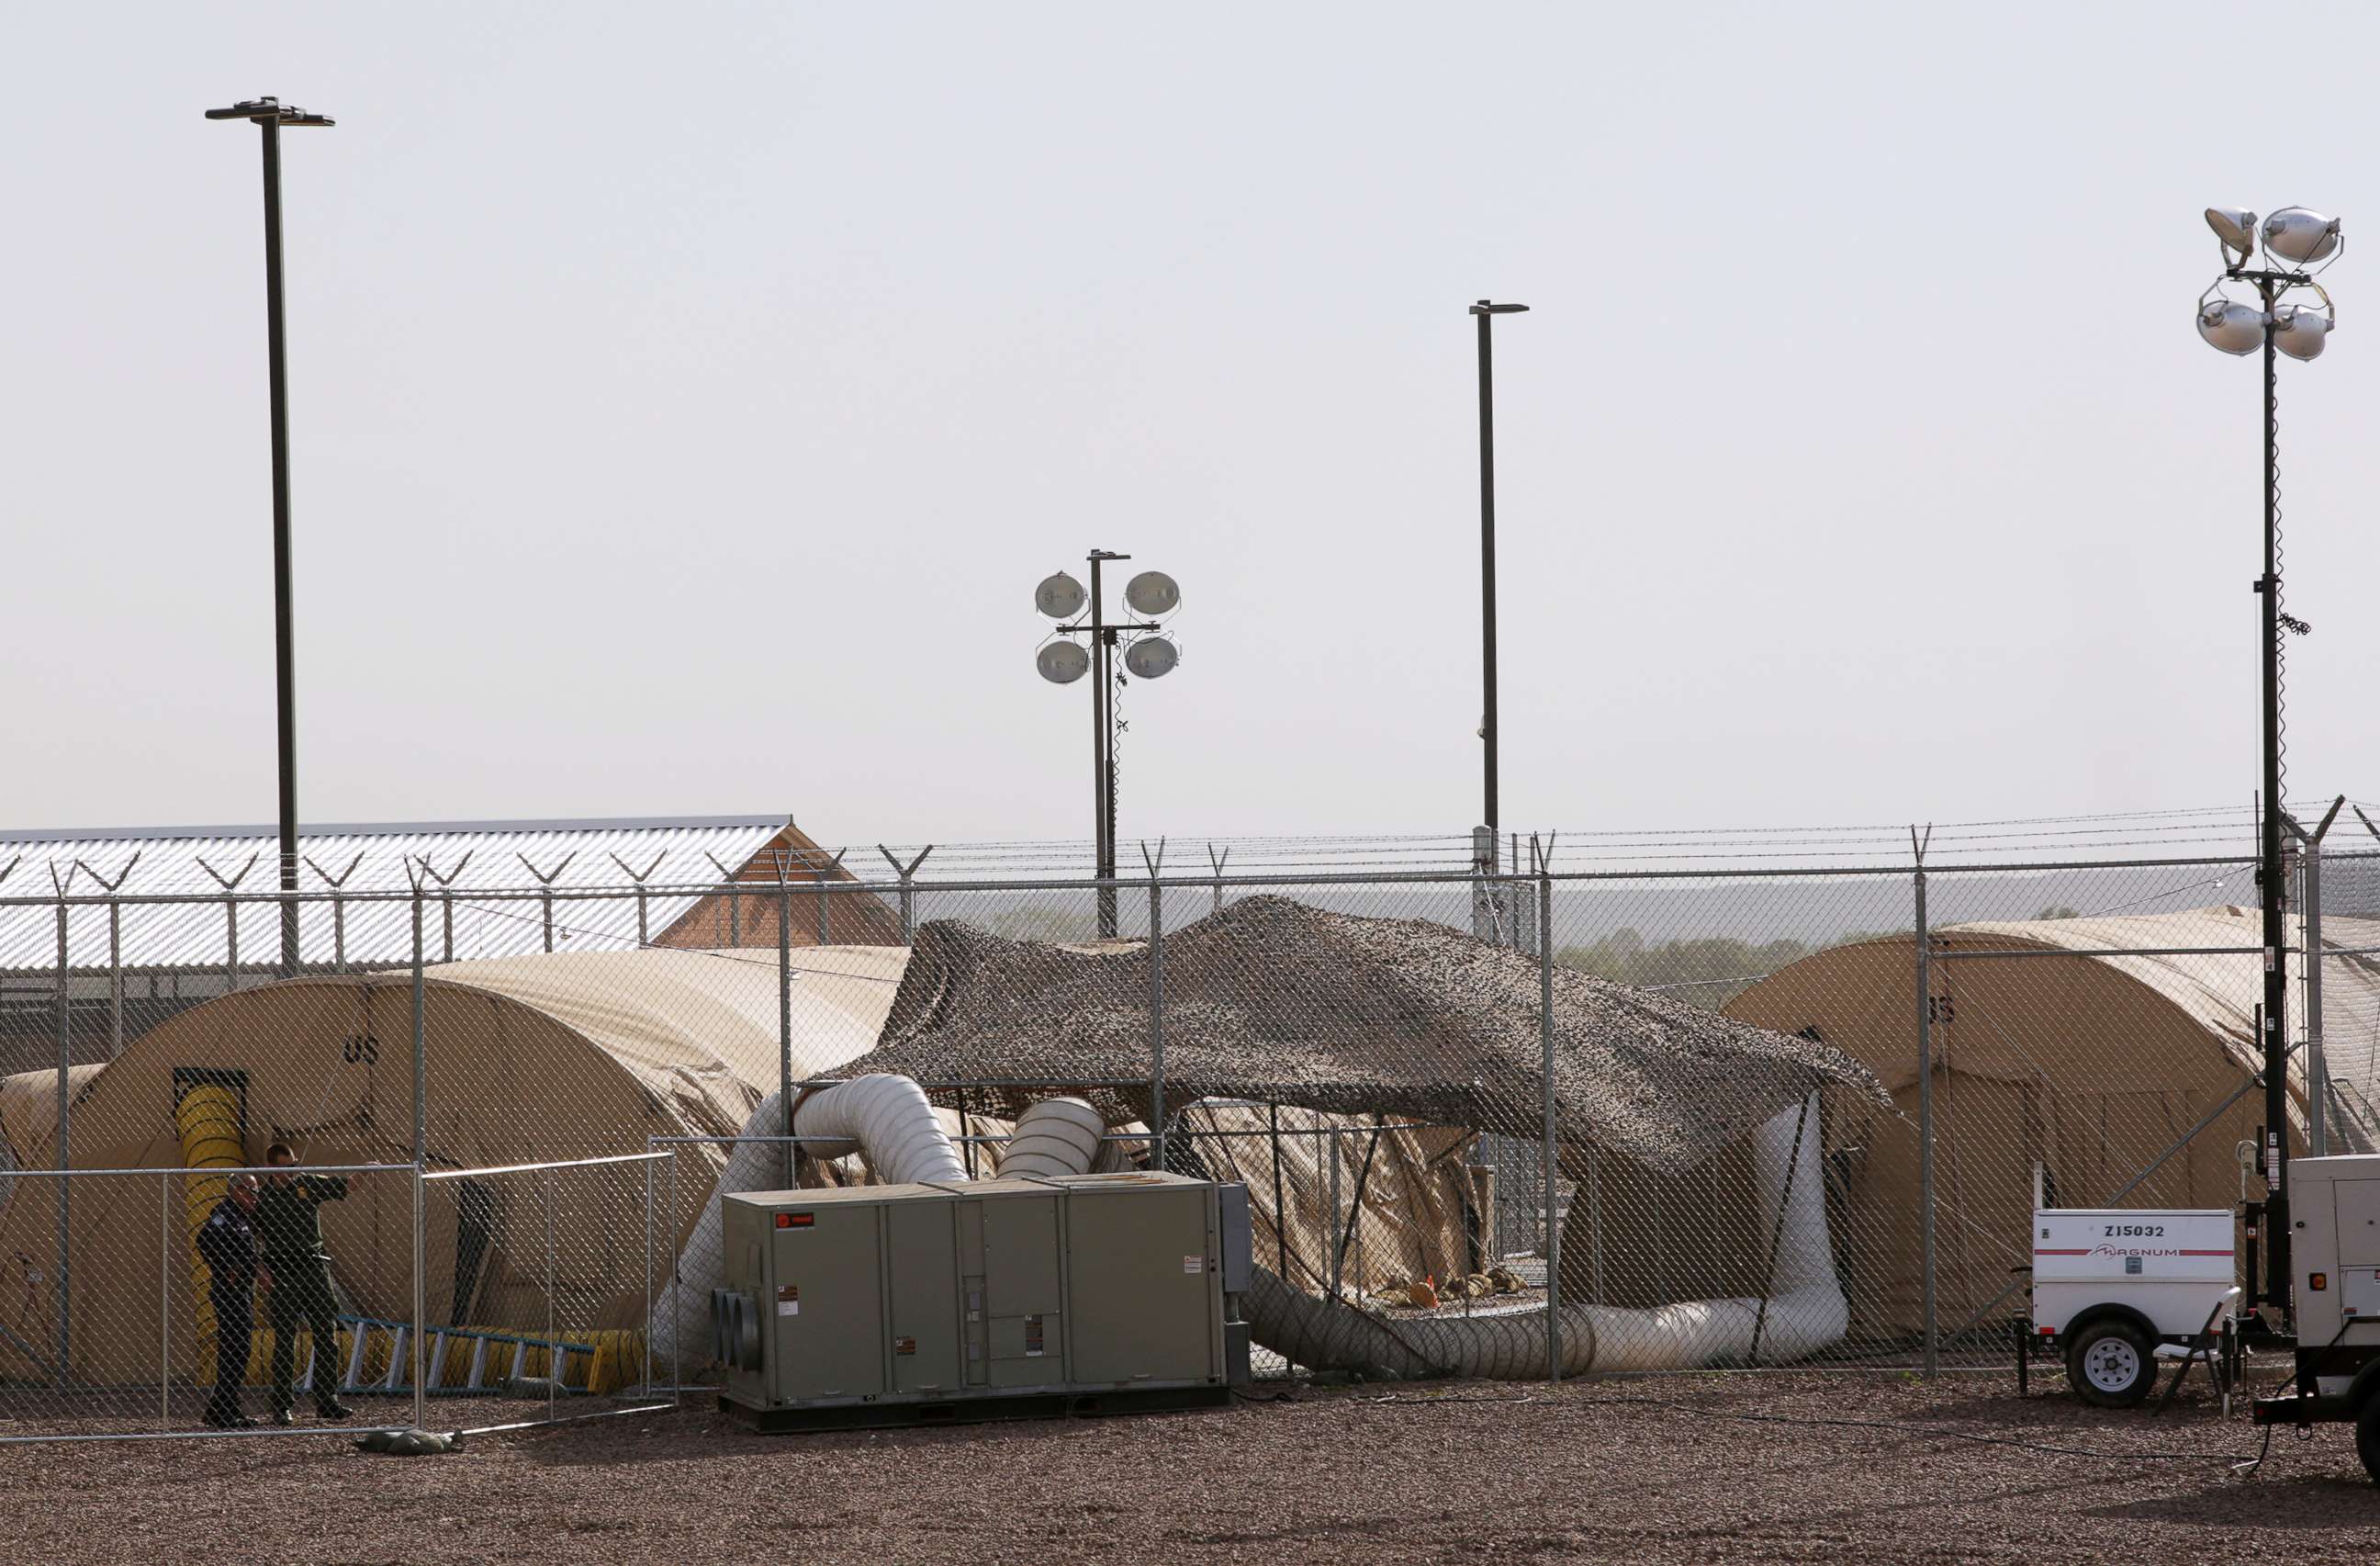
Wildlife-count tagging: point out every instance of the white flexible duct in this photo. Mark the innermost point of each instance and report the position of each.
(1804, 1312)
(1056, 1136)
(683, 1319)
(1320, 1336)
(890, 1119)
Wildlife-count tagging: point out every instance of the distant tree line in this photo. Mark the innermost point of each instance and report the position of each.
(1713, 970)
(1708, 972)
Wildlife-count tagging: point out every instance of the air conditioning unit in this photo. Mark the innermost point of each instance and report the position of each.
(911, 1303)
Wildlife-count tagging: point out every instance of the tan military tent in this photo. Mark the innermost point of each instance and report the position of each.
(2100, 1069)
(558, 1056)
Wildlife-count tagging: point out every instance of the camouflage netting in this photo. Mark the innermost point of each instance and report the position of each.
(1279, 1002)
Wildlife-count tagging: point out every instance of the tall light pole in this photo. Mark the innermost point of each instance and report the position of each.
(2294, 239)
(1484, 312)
(269, 115)
(1146, 654)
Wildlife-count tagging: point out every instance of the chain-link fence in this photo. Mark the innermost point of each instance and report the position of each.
(1501, 1124)
(309, 1299)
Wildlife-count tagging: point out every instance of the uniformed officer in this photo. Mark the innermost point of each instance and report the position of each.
(290, 1234)
(227, 1244)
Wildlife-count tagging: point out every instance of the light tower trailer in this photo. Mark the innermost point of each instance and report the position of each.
(2335, 1228)
(2111, 1285)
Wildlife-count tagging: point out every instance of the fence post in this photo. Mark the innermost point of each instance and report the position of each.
(1552, 1144)
(785, 1018)
(114, 977)
(545, 880)
(639, 881)
(553, 1356)
(164, 1299)
(339, 907)
(734, 901)
(66, 1127)
(231, 916)
(1926, 1099)
(2318, 1066)
(908, 889)
(420, 1311)
(421, 1156)
(1485, 925)
(1330, 1142)
(677, 1334)
(1157, 1016)
(646, 1384)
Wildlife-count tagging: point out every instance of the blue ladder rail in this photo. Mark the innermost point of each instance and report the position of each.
(474, 1385)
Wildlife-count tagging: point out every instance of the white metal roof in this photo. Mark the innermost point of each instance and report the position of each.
(457, 859)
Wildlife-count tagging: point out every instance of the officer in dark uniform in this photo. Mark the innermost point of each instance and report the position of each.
(289, 1234)
(227, 1244)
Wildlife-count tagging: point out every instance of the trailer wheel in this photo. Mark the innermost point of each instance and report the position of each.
(2367, 1436)
(2110, 1364)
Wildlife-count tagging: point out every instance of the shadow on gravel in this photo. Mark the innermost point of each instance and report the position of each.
(2317, 1502)
(702, 1433)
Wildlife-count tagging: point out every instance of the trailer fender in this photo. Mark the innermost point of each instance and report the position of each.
(2108, 1310)
(2365, 1387)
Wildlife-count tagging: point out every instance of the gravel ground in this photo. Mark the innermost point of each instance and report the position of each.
(1446, 1472)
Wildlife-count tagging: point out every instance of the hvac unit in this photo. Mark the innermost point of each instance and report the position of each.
(906, 1303)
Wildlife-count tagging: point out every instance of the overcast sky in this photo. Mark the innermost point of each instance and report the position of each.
(687, 399)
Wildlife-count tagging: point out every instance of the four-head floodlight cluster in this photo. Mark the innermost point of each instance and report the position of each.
(2294, 239)
(1146, 654)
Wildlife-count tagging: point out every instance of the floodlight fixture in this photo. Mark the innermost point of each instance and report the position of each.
(1059, 596)
(2230, 327)
(1151, 658)
(2236, 227)
(1486, 307)
(1063, 663)
(2300, 330)
(2300, 236)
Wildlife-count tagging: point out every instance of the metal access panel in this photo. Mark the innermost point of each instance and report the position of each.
(923, 1297)
(1146, 1278)
(1012, 1237)
(2356, 1204)
(825, 1317)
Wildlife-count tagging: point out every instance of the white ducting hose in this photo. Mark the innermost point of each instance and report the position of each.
(1320, 1336)
(1805, 1310)
(1803, 1313)
(888, 1118)
(682, 1319)
(1057, 1136)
